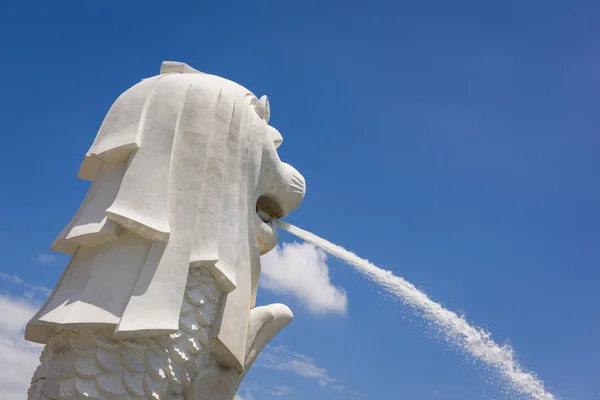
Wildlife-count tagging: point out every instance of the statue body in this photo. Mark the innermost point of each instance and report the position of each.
(158, 300)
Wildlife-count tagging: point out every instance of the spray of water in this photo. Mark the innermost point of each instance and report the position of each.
(456, 329)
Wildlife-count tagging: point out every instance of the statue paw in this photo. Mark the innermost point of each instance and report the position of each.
(265, 323)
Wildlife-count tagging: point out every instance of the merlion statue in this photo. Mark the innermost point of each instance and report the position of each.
(158, 300)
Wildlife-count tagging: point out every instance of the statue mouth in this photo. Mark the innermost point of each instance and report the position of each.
(267, 211)
(266, 218)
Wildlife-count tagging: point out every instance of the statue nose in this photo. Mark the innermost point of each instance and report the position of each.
(287, 188)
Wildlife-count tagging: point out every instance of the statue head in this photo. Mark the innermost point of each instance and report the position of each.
(185, 173)
(221, 132)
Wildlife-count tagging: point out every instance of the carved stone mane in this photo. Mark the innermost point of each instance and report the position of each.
(158, 300)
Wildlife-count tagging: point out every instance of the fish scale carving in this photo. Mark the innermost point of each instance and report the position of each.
(92, 365)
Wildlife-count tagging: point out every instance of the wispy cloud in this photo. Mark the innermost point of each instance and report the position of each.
(247, 396)
(30, 291)
(15, 279)
(46, 258)
(300, 269)
(282, 359)
(35, 290)
(279, 390)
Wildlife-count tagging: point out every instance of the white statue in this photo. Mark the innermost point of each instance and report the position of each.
(158, 300)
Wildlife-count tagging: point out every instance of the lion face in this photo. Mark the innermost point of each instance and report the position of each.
(281, 188)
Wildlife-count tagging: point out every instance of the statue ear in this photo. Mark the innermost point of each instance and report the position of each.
(263, 109)
(276, 136)
(170, 67)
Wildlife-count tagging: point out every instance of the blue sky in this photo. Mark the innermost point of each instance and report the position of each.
(454, 143)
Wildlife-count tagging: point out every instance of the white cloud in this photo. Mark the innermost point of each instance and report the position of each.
(300, 269)
(282, 359)
(279, 390)
(19, 357)
(46, 258)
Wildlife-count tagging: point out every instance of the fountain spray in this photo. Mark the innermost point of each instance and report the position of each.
(456, 329)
